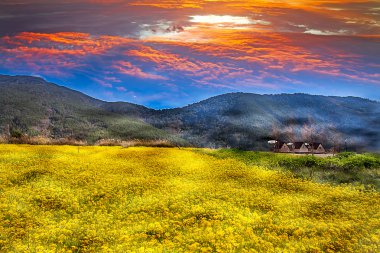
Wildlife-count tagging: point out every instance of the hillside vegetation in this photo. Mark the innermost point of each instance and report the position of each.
(248, 121)
(32, 106)
(114, 199)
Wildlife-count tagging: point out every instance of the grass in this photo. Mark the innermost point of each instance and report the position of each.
(114, 199)
(360, 170)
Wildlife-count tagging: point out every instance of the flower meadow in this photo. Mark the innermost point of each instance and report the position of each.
(114, 199)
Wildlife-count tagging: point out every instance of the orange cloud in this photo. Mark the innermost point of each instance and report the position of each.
(263, 51)
(222, 58)
(200, 71)
(266, 49)
(65, 42)
(169, 4)
(180, 4)
(54, 52)
(324, 17)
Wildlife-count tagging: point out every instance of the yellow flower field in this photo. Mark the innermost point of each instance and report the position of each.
(113, 199)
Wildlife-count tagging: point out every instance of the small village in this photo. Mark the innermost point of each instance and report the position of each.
(297, 147)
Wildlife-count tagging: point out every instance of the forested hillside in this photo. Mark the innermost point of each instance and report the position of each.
(32, 106)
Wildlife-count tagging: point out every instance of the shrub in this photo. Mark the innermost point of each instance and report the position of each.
(344, 155)
(69, 141)
(108, 142)
(299, 162)
(357, 162)
(15, 133)
(147, 143)
(3, 139)
(39, 140)
(43, 140)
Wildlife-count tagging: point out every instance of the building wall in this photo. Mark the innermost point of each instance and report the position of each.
(303, 149)
(320, 149)
(284, 149)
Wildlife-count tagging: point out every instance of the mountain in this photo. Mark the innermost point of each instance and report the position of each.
(35, 107)
(249, 120)
(239, 120)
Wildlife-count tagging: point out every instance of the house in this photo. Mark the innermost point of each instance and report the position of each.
(317, 148)
(297, 147)
(301, 147)
(277, 146)
(285, 148)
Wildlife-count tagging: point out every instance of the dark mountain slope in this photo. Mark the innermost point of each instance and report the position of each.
(249, 120)
(239, 120)
(127, 109)
(33, 106)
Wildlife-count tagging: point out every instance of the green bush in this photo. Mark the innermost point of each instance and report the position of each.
(358, 162)
(344, 155)
(299, 162)
(15, 133)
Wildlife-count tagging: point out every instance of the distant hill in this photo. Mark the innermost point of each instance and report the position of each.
(238, 120)
(36, 107)
(249, 120)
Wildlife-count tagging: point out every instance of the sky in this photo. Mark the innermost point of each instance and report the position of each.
(170, 53)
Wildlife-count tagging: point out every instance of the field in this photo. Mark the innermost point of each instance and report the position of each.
(114, 199)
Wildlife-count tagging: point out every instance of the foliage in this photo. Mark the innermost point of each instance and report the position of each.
(148, 143)
(114, 199)
(15, 133)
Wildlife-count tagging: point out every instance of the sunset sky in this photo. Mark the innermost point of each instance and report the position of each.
(168, 53)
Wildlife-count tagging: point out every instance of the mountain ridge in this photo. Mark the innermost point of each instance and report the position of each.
(181, 107)
(240, 120)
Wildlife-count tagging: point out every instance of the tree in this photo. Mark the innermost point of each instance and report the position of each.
(311, 133)
(289, 132)
(335, 137)
(275, 135)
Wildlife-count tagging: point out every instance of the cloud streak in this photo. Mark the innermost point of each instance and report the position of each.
(127, 68)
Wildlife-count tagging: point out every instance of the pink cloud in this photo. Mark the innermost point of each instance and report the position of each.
(126, 68)
(120, 88)
(103, 83)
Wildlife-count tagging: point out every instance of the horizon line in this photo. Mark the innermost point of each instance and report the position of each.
(210, 97)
